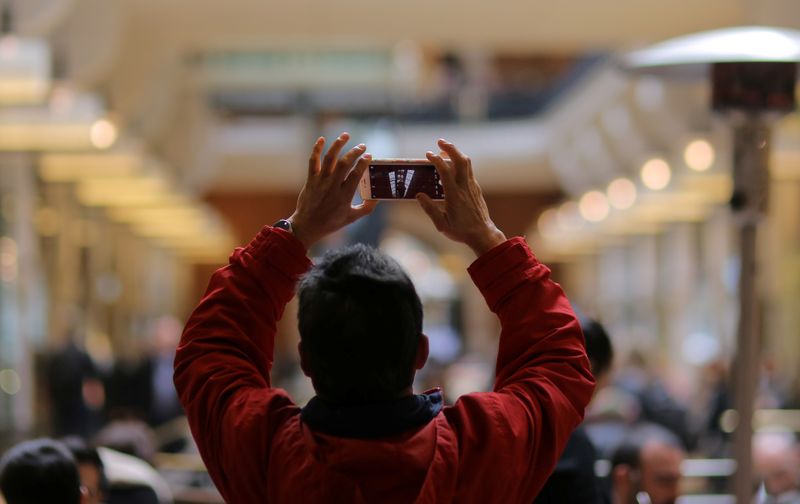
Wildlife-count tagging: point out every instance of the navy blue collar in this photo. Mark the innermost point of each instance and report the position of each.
(375, 420)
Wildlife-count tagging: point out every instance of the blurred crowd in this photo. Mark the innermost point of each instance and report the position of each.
(112, 427)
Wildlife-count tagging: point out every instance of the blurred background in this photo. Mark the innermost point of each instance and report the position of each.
(141, 140)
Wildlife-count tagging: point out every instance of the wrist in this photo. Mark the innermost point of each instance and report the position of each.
(487, 241)
(301, 232)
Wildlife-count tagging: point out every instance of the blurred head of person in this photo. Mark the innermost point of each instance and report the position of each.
(776, 458)
(90, 469)
(599, 350)
(132, 437)
(165, 335)
(41, 471)
(646, 467)
(360, 322)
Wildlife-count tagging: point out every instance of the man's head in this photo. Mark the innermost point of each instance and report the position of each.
(776, 457)
(649, 461)
(41, 470)
(360, 322)
(90, 469)
(598, 349)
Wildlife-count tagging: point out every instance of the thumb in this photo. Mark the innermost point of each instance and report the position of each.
(430, 208)
(363, 209)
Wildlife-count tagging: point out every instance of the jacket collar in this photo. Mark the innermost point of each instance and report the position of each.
(374, 420)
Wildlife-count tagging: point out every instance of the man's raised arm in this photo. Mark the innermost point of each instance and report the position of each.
(543, 380)
(223, 362)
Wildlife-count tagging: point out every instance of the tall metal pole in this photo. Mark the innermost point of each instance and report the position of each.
(751, 178)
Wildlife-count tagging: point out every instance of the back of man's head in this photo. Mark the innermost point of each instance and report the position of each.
(360, 321)
(648, 460)
(39, 471)
(598, 346)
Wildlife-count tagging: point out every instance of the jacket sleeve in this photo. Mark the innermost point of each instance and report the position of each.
(516, 433)
(223, 362)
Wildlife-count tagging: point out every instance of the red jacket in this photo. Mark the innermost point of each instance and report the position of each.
(490, 447)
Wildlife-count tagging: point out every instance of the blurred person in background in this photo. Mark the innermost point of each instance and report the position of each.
(366, 436)
(90, 469)
(776, 459)
(77, 394)
(41, 471)
(656, 404)
(574, 480)
(646, 467)
(128, 449)
(164, 405)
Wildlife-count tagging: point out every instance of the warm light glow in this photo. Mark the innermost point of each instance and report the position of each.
(166, 213)
(103, 134)
(594, 206)
(621, 193)
(10, 382)
(122, 191)
(75, 167)
(699, 155)
(656, 174)
(548, 222)
(569, 216)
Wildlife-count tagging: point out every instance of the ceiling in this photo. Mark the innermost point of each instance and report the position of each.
(134, 53)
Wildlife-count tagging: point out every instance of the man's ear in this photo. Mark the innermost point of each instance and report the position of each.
(84, 495)
(621, 483)
(303, 360)
(423, 347)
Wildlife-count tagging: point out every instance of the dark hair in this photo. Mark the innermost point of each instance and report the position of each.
(360, 320)
(629, 452)
(37, 471)
(598, 346)
(86, 454)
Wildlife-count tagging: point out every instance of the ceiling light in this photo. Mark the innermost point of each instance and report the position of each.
(699, 155)
(569, 216)
(103, 134)
(621, 193)
(656, 174)
(594, 206)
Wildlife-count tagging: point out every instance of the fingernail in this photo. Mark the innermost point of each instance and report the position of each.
(361, 146)
(368, 156)
(442, 140)
(429, 153)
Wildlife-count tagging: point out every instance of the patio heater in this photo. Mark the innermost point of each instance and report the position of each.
(753, 73)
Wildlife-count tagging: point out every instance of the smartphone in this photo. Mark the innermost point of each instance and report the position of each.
(400, 179)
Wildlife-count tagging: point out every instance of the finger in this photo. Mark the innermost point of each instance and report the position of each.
(444, 168)
(365, 208)
(463, 164)
(333, 153)
(346, 162)
(452, 151)
(316, 152)
(438, 217)
(351, 182)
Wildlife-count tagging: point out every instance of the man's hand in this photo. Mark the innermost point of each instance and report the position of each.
(463, 216)
(325, 202)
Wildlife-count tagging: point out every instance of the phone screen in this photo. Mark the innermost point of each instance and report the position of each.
(404, 181)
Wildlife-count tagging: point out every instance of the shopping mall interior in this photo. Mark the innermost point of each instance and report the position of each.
(141, 141)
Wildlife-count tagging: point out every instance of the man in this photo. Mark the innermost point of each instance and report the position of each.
(90, 469)
(646, 468)
(366, 437)
(574, 479)
(776, 457)
(40, 471)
